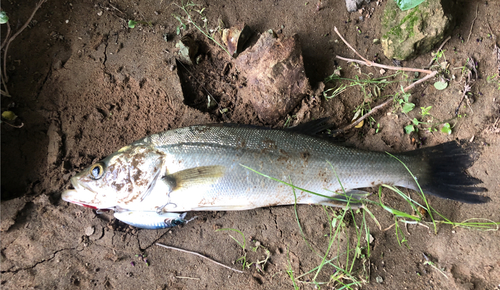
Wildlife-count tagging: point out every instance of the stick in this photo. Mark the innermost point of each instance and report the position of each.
(385, 66)
(6, 35)
(190, 278)
(14, 36)
(369, 63)
(199, 255)
(470, 32)
(379, 107)
(429, 73)
(440, 47)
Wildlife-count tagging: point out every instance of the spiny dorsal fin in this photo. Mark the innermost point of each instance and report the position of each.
(312, 127)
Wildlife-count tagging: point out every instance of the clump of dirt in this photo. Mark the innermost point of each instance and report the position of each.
(276, 79)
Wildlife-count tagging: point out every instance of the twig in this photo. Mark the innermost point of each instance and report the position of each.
(467, 88)
(389, 227)
(369, 63)
(379, 107)
(14, 126)
(14, 36)
(440, 47)
(385, 66)
(491, 31)
(472, 25)
(199, 255)
(6, 92)
(114, 14)
(497, 50)
(471, 70)
(6, 35)
(190, 278)
(429, 75)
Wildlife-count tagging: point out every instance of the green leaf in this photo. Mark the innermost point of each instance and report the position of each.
(408, 4)
(409, 129)
(408, 107)
(3, 17)
(416, 122)
(441, 85)
(9, 115)
(425, 110)
(132, 24)
(446, 128)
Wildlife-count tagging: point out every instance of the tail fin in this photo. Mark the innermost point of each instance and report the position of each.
(445, 176)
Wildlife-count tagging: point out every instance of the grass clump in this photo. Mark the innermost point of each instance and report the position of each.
(259, 264)
(348, 247)
(192, 11)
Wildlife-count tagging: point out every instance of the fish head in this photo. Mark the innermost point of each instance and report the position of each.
(126, 176)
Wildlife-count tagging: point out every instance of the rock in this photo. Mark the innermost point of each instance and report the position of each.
(10, 209)
(89, 230)
(235, 38)
(188, 48)
(354, 5)
(276, 79)
(405, 34)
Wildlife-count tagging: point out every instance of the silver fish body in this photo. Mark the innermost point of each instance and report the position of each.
(212, 167)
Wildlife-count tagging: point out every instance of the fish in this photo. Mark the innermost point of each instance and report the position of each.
(154, 181)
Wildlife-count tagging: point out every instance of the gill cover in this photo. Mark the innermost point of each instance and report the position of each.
(127, 175)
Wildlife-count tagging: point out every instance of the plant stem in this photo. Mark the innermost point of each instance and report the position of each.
(199, 255)
(202, 31)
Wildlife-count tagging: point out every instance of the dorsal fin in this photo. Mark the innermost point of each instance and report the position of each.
(312, 127)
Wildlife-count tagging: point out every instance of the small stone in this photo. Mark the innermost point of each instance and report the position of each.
(379, 279)
(89, 231)
(99, 13)
(353, 5)
(382, 71)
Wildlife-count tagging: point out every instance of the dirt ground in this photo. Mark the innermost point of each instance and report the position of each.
(84, 84)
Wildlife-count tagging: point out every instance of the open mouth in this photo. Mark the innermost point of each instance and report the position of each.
(69, 196)
(75, 192)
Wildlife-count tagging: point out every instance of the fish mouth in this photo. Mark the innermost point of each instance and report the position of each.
(68, 195)
(72, 195)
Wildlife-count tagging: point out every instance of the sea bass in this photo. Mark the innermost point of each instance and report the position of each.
(237, 167)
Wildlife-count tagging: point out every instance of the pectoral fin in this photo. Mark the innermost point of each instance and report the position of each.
(202, 175)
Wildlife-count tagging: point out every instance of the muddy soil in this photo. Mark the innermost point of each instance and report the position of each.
(84, 84)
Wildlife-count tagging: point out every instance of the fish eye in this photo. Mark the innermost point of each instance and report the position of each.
(96, 171)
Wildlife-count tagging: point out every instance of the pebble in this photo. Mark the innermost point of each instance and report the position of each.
(89, 231)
